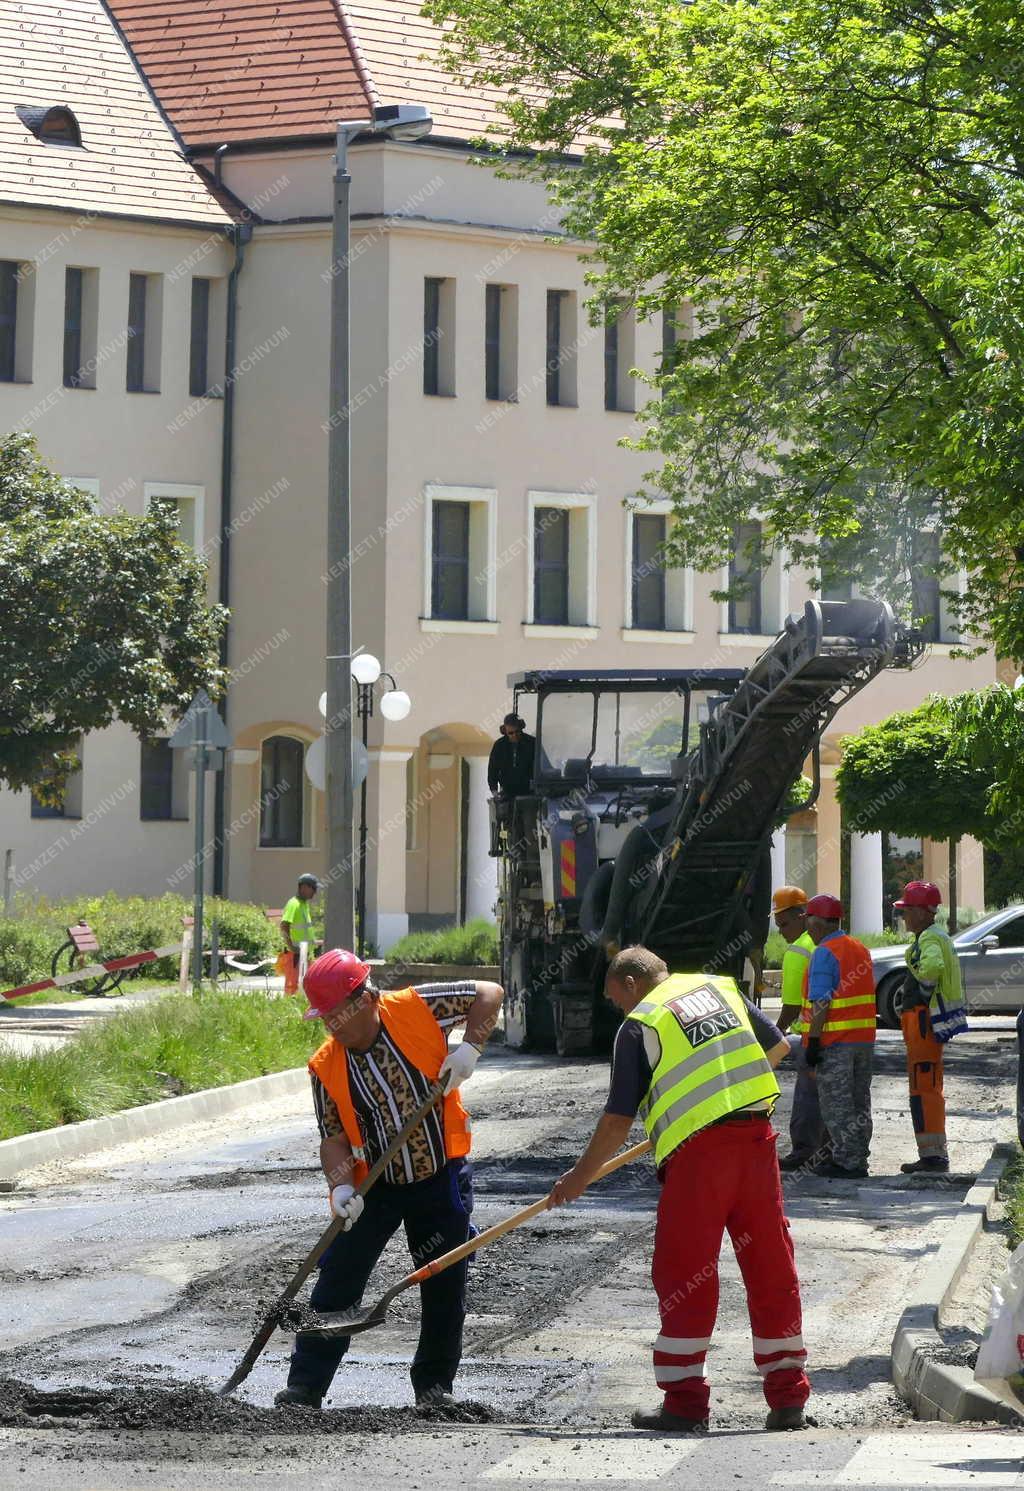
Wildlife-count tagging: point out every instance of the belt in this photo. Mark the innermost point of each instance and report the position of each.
(744, 1116)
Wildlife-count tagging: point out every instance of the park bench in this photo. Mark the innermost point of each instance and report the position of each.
(82, 948)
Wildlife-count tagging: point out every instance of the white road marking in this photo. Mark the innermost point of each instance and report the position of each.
(590, 1461)
(904, 1460)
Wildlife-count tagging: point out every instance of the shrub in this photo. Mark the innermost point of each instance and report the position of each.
(25, 951)
(475, 943)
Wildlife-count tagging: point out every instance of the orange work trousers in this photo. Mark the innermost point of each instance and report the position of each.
(291, 973)
(924, 1069)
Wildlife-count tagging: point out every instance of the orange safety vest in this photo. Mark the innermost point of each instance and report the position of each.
(851, 1014)
(409, 1023)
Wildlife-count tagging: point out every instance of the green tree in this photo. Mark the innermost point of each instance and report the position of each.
(916, 775)
(832, 194)
(989, 727)
(105, 618)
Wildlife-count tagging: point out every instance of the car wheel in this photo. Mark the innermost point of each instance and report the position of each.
(885, 1001)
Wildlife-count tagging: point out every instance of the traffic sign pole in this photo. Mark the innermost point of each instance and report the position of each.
(203, 732)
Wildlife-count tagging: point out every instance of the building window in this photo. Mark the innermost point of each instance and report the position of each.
(925, 586)
(145, 300)
(449, 592)
(8, 319)
(184, 504)
(199, 340)
(746, 577)
(81, 300)
(163, 782)
(619, 353)
(70, 804)
(551, 566)
(560, 359)
(55, 125)
(501, 334)
(836, 584)
(282, 789)
(439, 337)
(648, 571)
(460, 577)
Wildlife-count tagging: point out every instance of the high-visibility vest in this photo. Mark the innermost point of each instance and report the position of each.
(711, 1063)
(932, 959)
(795, 960)
(409, 1023)
(851, 1013)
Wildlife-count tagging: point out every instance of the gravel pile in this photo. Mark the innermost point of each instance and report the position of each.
(189, 1409)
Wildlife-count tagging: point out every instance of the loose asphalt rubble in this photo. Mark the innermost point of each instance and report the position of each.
(133, 1278)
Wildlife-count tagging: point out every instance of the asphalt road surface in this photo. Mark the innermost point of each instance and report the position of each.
(130, 1273)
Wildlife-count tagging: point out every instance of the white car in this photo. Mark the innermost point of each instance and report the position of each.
(991, 957)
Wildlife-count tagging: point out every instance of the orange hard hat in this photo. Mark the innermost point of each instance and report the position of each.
(331, 979)
(787, 896)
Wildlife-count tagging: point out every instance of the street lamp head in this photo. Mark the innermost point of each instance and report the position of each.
(395, 704)
(402, 121)
(365, 668)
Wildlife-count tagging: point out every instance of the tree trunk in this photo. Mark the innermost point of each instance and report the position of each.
(953, 845)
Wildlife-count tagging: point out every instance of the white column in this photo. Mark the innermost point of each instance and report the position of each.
(865, 883)
(386, 917)
(779, 858)
(481, 870)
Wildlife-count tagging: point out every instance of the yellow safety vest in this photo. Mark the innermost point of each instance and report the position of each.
(795, 961)
(711, 1064)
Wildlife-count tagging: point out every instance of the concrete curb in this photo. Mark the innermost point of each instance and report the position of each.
(934, 1389)
(73, 1140)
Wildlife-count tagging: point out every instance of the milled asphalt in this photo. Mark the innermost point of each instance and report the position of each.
(147, 1263)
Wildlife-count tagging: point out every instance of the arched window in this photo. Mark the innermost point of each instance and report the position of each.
(282, 789)
(55, 125)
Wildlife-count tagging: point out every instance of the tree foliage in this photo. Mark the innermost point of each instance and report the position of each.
(105, 618)
(989, 727)
(828, 195)
(915, 775)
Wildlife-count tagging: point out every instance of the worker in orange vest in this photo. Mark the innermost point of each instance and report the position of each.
(383, 1053)
(839, 1036)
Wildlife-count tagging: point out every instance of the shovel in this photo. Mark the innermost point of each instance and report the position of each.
(350, 1323)
(277, 1312)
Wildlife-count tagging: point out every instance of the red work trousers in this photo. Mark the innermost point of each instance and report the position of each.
(726, 1177)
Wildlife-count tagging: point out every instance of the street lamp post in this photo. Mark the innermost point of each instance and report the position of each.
(394, 705)
(396, 122)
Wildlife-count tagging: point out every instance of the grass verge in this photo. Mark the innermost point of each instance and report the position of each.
(1012, 1190)
(172, 1046)
(475, 943)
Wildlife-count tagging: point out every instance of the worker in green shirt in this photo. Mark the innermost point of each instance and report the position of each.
(932, 1012)
(808, 1136)
(297, 927)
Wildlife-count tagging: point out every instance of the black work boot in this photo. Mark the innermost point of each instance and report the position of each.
(663, 1422)
(299, 1397)
(931, 1164)
(435, 1397)
(795, 1161)
(784, 1418)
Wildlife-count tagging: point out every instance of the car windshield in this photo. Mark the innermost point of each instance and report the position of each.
(638, 734)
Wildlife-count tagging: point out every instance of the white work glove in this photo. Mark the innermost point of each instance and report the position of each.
(346, 1206)
(458, 1066)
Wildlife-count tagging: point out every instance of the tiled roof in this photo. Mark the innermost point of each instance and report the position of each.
(237, 70)
(68, 52)
(399, 48)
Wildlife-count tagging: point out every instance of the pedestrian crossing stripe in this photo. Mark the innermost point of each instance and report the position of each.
(588, 1461)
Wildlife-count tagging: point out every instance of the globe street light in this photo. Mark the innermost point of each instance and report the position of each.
(395, 122)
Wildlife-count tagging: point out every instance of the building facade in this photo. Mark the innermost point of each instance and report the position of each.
(495, 526)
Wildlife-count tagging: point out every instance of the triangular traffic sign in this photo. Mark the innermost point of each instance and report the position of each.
(200, 715)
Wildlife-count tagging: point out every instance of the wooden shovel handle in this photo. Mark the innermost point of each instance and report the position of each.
(484, 1239)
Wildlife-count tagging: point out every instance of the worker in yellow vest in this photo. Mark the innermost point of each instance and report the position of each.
(696, 1060)
(382, 1054)
(839, 1036)
(808, 1136)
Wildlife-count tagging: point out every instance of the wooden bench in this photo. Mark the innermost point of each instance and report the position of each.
(81, 949)
(188, 926)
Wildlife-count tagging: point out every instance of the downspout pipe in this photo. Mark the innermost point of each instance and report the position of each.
(241, 233)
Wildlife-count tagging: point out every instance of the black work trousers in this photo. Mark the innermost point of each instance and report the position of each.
(436, 1217)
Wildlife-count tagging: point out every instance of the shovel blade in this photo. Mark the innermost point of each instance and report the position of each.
(336, 1322)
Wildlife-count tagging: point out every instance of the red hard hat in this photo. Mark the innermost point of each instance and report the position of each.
(331, 979)
(920, 893)
(829, 908)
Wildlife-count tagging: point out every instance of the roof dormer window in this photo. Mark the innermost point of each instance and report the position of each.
(55, 125)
